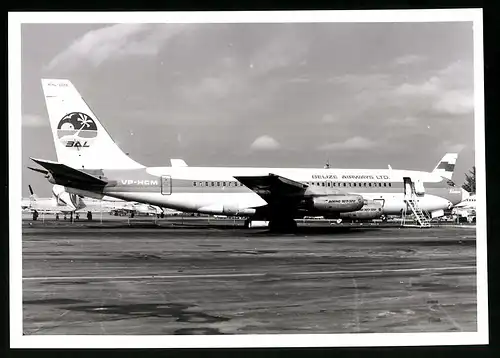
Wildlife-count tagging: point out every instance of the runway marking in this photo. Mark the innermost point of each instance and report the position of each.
(145, 277)
(317, 273)
(385, 270)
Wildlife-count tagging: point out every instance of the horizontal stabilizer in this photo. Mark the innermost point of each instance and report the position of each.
(39, 170)
(67, 176)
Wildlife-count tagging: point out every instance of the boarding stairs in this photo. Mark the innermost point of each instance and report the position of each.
(419, 215)
(412, 207)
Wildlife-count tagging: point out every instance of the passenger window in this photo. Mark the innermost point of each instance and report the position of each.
(364, 184)
(385, 184)
(369, 184)
(206, 183)
(194, 183)
(212, 183)
(390, 184)
(323, 183)
(345, 184)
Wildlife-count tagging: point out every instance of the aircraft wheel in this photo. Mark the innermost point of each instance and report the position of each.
(162, 215)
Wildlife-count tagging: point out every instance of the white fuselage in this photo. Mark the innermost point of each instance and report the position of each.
(214, 190)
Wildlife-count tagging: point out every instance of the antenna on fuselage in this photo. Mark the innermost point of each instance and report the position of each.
(389, 166)
(327, 165)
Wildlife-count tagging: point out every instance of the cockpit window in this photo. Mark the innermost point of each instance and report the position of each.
(450, 183)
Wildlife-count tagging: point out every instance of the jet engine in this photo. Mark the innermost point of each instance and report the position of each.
(371, 210)
(338, 203)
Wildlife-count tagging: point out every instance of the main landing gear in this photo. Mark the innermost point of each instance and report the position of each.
(283, 225)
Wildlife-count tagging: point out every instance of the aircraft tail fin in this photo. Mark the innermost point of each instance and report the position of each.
(80, 139)
(446, 165)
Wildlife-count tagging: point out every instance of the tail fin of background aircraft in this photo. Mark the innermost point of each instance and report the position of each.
(65, 198)
(33, 196)
(80, 139)
(446, 166)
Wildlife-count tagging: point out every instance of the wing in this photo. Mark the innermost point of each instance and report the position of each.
(67, 176)
(279, 192)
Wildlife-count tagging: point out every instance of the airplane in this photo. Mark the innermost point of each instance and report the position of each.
(108, 204)
(67, 203)
(91, 164)
(52, 205)
(466, 208)
(467, 203)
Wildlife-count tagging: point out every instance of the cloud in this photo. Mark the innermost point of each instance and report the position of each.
(408, 121)
(265, 142)
(217, 87)
(438, 96)
(456, 148)
(281, 51)
(445, 91)
(455, 102)
(34, 120)
(116, 41)
(329, 118)
(299, 80)
(350, 144)
(429, 87)
(409, 60)
(234, 75)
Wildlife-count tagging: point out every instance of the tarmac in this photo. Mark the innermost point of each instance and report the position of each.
(199, 276)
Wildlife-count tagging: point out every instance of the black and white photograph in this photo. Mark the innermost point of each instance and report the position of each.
(247, 179)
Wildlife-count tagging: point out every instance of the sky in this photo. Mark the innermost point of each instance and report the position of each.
(360, 95)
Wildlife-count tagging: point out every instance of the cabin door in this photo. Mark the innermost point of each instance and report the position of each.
(408, 187)
(166, 185)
